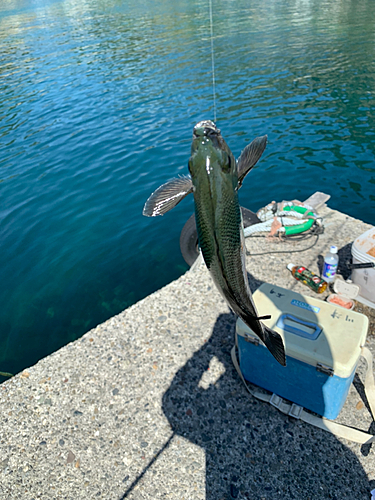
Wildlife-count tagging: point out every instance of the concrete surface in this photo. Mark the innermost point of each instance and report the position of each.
(149, 406)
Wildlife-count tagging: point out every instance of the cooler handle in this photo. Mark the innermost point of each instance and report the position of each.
(313, 334)
(362, 265)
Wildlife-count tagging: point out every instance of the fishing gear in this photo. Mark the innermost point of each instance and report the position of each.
(303, 237)
(212, 60)
(290, 220)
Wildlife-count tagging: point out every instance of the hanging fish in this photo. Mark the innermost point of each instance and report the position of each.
(215, 178)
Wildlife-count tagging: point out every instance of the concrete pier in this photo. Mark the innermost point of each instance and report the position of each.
(148, 405)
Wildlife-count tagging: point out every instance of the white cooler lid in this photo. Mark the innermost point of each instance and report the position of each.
(363, 247)
(313, 331)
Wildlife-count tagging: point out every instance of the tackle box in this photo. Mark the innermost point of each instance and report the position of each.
(322, 345)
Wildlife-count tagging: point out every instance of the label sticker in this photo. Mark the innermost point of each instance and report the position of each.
(306, 306)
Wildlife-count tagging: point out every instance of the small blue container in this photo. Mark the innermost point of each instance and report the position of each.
(322, 344)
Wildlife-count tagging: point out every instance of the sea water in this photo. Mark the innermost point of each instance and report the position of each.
(98, 99)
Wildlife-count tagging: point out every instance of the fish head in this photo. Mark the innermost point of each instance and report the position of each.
(210, 153)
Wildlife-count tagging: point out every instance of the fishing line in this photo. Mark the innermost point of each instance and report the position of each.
(287, 251)
(291, 238)
(212, 60)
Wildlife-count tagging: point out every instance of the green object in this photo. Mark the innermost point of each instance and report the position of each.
(298, 228)
(6, 374)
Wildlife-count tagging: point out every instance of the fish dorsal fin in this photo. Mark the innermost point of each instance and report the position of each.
(167, 196)
(249, 157)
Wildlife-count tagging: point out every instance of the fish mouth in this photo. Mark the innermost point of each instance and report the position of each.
(205, 128)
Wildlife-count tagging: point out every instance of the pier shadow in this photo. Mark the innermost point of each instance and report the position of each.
(252, 450)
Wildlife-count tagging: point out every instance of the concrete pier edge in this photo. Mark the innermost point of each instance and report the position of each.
(148, 405)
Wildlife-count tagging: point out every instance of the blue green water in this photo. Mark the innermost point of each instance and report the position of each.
(98, 99)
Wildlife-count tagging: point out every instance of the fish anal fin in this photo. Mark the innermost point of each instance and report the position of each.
(167, 196)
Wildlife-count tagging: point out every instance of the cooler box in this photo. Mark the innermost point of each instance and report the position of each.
(363, 250)
(322, 343)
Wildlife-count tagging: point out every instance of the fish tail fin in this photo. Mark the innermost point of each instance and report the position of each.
(275, 344)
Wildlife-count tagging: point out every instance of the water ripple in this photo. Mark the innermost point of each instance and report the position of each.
(98, 100)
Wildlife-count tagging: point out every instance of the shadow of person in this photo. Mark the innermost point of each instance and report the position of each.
(252, 450)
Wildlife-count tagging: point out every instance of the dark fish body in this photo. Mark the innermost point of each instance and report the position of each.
(218, 216)
(213, 170)
(215, 179)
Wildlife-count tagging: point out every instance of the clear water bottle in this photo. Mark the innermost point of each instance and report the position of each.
(331, 262)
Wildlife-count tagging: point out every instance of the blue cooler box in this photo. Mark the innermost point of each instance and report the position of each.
(322, 344)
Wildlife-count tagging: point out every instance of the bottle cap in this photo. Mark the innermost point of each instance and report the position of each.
(290, 266)
(333, 249)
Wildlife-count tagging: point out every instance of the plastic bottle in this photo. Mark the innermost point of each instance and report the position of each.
(331, 262)
(308, 278)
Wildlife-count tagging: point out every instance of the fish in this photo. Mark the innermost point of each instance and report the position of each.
(215, 178)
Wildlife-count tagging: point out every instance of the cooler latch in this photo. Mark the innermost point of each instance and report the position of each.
(327, 370)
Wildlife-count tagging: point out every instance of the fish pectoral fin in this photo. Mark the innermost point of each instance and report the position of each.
(274, 344)
(249, 157)
(167, 196)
